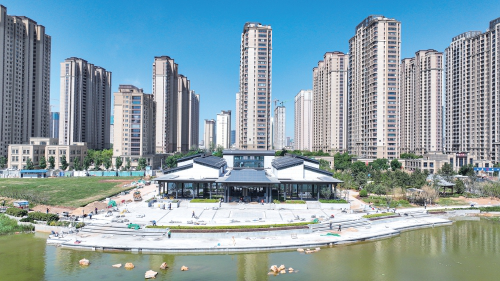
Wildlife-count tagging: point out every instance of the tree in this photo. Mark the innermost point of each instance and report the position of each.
(395, 164)
(52, 162)
(358, 167)
(3, 162)
(218, 151)
(467, 170)
(97, 160)
(29, 164)
(87, 161)
(43, 162)
(107, 163)
(381, 164)
(141, 164)
(76, 164)
(342, 161)
(127, 166)
(118, 162)
(64, 163)
(171, 162)
(409, 156)
(446, 172)
(281, 152)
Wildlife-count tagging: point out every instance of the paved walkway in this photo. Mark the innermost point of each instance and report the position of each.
(121, 238)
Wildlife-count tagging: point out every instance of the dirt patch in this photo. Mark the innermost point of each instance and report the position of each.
(479, 201)
(52, 209)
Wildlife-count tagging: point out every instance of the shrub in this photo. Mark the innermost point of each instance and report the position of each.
(16, 212)
(80, 225)
(59, 223)
(231, 226)
(295, 202)
(39, 216)
(335, 201)
(363, 193)
(27, 220)
(276, 201)
(378, 215)
(8, 225)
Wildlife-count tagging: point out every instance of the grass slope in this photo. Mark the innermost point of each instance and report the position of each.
(68, 192)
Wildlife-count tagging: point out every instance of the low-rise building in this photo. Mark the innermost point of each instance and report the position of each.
(45, 147)
(431, 162)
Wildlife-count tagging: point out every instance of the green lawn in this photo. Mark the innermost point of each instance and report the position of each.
(451, 202)
(69, 192)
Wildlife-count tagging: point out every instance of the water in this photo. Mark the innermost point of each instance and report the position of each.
(467, 250)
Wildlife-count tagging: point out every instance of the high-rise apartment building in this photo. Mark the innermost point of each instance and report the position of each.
(223, 129)
(85, 104)
(330, 103)
(177, 109)
(254, 106)
(473, 97)
(373, 75)
(194, 119)
(420, 103)
(279, 127)
(134, 133)
(25, 52)
(303, 121)
(209, 135)
(54, 125)
(233, 137)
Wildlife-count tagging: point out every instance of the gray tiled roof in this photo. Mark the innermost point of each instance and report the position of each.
(210, 161)
(248, 176)
(248, 152)
(286, 162)
(318, 171)
(176, 169)
(190, 157)
(305, 158)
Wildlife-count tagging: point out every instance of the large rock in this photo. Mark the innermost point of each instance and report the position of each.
(164, 266)
(184, 268)
(150, 274)
(117, 265)
(274, 269)
(129, 265)
(283, 271)
(300, 250)
(84, 262)
(290, 270)
(281, 267)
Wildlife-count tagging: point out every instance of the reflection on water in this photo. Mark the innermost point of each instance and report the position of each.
(467, 250)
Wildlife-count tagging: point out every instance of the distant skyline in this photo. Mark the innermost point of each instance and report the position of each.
(204, 38)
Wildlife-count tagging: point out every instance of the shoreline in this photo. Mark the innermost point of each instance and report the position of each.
(227, 242)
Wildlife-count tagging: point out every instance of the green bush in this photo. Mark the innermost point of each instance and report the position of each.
(363, 193)
(8, 225)
(80, 225)
(27, 220)
(16, 212)
(204, 201)
(275, 201)
(59, 223)
(335, 201)
(39, 216)
(378, 215)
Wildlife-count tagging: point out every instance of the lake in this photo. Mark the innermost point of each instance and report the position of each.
(466, 250)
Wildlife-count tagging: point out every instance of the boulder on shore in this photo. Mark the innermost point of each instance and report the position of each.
(274, 269)
(164, 266)
(85, 262)
(184, 268)
(300, 250)
(290, 270)
(129, 265)
(283, 271)
(281, 267)
(117, 265)
(150, 274)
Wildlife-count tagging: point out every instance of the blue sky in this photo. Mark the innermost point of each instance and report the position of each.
(203, 38)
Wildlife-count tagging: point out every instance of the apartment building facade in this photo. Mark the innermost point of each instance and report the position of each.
(24, 80)
(421, 102)
(209, 137)
(54, 125)
(45, 147)
(134, 124)
(177, 109)
(254, 106)
(223, 129)
(303, 120)
(194, 119)
(85, 104)
(373, 74)
(279, 129)
(473, 97)
(330, 103)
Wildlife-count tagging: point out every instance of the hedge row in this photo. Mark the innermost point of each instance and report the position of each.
(39, 216)
(16, 212)
(205, 201)
(378, 215)
(335, 201)
(275, 201)
(230, 226)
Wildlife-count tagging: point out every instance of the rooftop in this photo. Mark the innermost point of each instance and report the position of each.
(210, 161)
(286, 162)
(249, 152)
(248, 176)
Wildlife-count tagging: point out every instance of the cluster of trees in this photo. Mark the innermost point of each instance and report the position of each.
(171, 161)
(301, 152)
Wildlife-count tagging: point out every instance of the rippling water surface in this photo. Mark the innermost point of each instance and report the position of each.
(467, 250)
